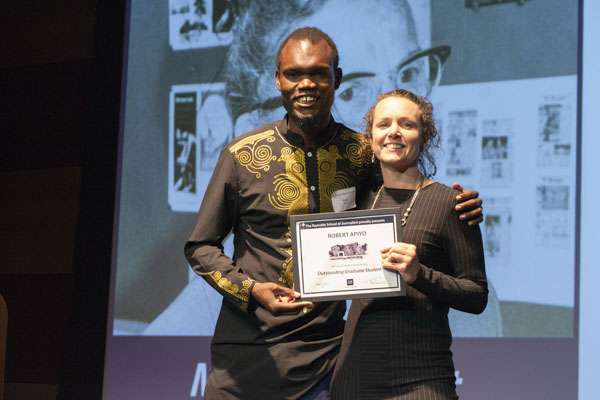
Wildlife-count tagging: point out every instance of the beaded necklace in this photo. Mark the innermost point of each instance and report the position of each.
(410, 206)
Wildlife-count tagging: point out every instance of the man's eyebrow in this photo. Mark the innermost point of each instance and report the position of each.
(356, 75)
(310, 70)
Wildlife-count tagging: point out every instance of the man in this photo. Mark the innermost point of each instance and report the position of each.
(267, 343)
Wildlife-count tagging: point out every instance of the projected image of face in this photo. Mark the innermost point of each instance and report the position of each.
(379, 52)
(375, 41)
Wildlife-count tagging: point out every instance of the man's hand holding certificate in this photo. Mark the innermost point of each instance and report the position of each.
(337, 255)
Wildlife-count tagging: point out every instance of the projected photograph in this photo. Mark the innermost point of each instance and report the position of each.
(478, 142)
(552, 215)
(199, 128)
(461, 143)
(199, 23)
(496, 155)
(497, 231)
(508, 128)
(183, 164)
(554, 143)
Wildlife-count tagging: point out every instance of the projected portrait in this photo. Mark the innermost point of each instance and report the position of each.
(199, 23)
(375, 57)
(480, 138)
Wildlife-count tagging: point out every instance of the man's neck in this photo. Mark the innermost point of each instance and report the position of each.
(311, 135)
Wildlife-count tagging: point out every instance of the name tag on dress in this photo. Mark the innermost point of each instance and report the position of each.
(344, 199)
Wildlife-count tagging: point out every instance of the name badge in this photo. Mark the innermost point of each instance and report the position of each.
(344, 199)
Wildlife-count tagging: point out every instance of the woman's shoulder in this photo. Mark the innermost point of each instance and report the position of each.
(439, 189)
(440, 194)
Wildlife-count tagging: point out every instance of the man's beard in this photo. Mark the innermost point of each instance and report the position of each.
(305, 123)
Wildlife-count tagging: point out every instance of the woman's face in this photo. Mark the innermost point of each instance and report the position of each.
(396, 136)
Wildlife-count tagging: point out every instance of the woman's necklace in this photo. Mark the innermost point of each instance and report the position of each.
(410, 206)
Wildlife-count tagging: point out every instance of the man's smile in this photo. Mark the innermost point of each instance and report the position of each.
(306, 99)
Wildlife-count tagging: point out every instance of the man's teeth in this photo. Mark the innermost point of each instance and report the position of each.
(306, 99)
(394, 146)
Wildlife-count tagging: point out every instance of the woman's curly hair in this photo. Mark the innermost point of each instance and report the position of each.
(431, 136)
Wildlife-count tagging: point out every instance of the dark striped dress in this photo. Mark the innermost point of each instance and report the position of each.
(399, 347)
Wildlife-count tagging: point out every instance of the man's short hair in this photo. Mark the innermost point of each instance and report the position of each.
(314, 35)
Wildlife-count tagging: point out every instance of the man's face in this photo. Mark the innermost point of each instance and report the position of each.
(373, 39)
(307, 81)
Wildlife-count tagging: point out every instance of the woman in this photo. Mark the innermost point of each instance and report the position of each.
(399, 347)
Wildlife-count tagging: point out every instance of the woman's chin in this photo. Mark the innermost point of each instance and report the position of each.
(399, 165)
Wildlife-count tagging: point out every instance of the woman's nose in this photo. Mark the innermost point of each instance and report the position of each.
(395, 130)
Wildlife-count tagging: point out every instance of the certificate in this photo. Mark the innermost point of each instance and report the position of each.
(337, 255)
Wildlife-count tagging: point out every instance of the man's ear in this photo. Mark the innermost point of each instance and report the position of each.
(338, 77)
(277, 80)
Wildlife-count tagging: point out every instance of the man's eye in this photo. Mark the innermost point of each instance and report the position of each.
(409, 75)
(322, 74)
(347, 94)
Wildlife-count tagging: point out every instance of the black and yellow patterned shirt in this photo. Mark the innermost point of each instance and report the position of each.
(261, 179)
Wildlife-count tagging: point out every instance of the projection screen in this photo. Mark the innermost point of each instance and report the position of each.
(504, 81)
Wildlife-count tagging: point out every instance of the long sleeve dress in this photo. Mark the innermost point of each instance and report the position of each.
(399, 347)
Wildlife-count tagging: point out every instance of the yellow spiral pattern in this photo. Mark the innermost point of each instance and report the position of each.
(291, 192)
(244, 157)
(327, 159)
(297, 168)
(358, 150)
(340, 181)
(355, 153)
(252, 154)
(287, 192)
(263, 154)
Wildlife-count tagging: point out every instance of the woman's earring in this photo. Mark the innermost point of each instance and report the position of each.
(372, 158)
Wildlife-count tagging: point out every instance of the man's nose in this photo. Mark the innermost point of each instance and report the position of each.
(307, 82)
